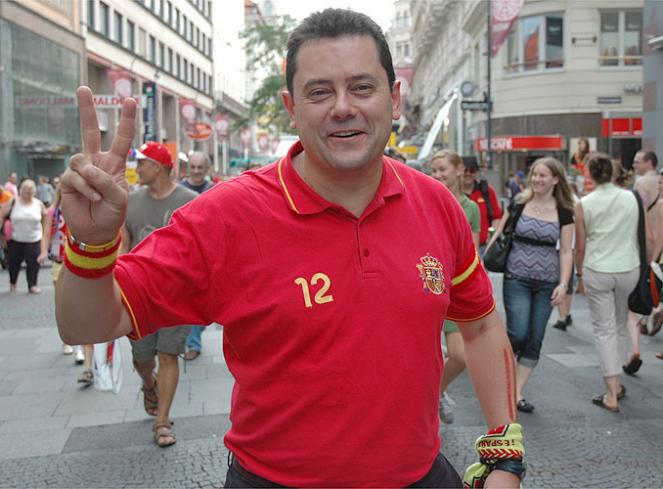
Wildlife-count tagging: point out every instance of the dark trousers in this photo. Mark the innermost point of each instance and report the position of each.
(16, 253)
(441, 475)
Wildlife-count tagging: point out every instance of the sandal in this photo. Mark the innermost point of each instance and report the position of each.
(659, 355)
(657, 323)
(633, 364)
(524, 406)
(150, 399)
(621, 393)
(163, 435)
(86, 377)
(600, 401)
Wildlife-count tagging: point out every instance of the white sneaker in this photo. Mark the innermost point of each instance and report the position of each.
(444, 410)
(67, 349)
(79, 357)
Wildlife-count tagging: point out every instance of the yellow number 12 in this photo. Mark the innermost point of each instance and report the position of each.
(320, 297)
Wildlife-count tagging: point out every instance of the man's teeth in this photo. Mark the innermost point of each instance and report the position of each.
(346, 134)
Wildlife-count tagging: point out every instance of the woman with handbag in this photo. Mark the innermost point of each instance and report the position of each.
(536, 273)
(447, 167)
(608, 264)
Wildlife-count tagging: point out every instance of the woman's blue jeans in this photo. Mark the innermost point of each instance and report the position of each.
(528, 308)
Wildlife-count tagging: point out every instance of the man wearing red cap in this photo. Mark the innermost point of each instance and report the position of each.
(150, 207)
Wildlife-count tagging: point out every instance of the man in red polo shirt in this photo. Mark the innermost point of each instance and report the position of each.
(332, 285)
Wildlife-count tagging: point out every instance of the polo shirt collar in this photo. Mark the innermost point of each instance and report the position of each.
(302, 199)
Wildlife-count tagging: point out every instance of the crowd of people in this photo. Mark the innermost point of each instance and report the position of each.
(301, 277)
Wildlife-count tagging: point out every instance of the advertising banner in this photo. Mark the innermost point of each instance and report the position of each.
(150, 111)
(503, 14)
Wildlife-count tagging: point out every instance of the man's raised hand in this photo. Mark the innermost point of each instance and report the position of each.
(94, 189)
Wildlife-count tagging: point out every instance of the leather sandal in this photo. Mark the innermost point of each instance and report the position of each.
(524, 406)
(150, 399)
(163, 434)
(600, 401)
(633, 365)
(657, 323)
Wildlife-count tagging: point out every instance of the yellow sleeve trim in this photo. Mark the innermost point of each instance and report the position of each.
(287, 194)
(463, 276)
(492, 308)
(130, 310)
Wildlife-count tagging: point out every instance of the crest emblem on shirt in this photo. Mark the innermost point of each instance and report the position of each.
(431, 272)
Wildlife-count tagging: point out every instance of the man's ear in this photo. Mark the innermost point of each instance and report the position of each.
(289, 104)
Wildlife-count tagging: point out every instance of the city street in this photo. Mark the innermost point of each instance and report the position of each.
(53, 433)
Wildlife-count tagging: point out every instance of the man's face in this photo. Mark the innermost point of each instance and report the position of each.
(197, 169)
(147, 171)
(12, 178)
(640, 166)
(469, 175)
(342, 105)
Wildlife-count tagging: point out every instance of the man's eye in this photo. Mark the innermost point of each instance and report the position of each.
(363, 88)
(319, 92)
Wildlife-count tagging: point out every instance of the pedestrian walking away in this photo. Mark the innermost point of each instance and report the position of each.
(537, 274)
(198, 165)
(150, 208)
(299, 261)
(608, 264)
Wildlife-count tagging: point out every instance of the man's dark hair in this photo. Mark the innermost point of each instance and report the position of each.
(600, 167)
(650, 156)
(333, 23)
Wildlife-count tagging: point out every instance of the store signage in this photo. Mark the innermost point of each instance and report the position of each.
(150, 111)
(521, 143)
(100, 101)
(622, 127)
(199, 130)
(608, 100)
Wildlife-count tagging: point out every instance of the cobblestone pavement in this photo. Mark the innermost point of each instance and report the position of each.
(54, 434)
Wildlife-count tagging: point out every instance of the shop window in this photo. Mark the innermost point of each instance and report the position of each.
(535, 44)
(103, 19)
(621, 38)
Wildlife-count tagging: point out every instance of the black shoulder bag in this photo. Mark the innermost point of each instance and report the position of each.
(645, 295)
(495, 258)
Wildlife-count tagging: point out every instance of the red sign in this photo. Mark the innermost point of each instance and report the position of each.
(503, 15)
(521, 143)
(221, 124)
(121, 82)
(199, 130)
(188, 110)
(622, 126)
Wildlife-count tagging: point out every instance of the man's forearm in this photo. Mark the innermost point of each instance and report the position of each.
(491, 366)
(89, 311)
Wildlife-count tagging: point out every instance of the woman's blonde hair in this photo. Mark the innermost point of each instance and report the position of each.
(562, 192)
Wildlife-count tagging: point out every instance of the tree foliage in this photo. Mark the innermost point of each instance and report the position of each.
(265, 45)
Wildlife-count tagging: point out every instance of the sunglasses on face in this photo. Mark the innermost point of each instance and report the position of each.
(470, 170)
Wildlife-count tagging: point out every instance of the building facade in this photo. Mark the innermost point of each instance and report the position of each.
(653, 78)
(568, 69)
(42, 62)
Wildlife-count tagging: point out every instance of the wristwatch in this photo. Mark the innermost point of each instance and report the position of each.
(515, 467)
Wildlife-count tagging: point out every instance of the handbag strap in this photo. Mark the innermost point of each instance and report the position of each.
(510, 226)
(642, 242)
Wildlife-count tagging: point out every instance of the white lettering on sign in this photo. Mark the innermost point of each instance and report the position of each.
(496, 144)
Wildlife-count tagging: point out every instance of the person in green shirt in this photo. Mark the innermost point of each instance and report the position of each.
(447, 167)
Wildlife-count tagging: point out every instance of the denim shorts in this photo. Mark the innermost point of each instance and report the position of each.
(528, 308)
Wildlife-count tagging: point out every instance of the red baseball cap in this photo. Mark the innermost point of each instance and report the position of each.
(155, 151)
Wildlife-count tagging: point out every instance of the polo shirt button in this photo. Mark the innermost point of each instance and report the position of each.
(366, 252)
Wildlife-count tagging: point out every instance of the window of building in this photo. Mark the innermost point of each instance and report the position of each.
(621, 38)
(195, 37)
(185, 71)
(190, 34)
(536, 43)
(90, 14)
(103, 18)
(117, 21)
(176, 71)
(176, 20)
(189, 77)
(185, 26)
(131, 32)
(142, 42)
(168, 14)
(209, 47)
(198, 80)
(156, 7)
(209, 8)
(162, 55)
(153, 50)
(169, 64)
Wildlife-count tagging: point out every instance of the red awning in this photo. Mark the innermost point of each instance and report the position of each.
(521, 143)
(622, 127)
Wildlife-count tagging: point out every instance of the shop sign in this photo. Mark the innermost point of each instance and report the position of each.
(199, 130)
(521, 143)
(150, 111)
(100, 101)
(474, 105)
(608, 100)
(622, 127)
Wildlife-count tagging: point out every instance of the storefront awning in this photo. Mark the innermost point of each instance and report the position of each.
(622, 127)
(522, 143)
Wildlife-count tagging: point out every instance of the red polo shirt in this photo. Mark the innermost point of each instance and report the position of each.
(477, 196)
(331, 322)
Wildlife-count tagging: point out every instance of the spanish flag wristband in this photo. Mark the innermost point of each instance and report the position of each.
(90, 261)
(500, 444)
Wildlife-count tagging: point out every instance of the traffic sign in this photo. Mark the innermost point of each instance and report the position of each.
(474, 105)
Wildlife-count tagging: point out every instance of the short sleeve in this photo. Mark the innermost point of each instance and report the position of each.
(565, 216)
(471, 289)
(164, 278)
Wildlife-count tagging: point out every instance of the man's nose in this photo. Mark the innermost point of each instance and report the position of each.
(343, 106)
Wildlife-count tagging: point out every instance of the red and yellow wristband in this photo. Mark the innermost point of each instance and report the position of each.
(504, 443)
(91, 261)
